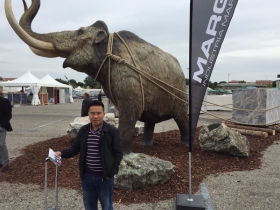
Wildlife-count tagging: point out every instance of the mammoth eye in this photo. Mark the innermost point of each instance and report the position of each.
(80, 32)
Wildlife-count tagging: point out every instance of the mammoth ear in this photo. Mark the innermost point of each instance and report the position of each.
(101, 35)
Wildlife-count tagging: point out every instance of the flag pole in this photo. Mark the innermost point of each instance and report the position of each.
(184, 201)
(190, 103)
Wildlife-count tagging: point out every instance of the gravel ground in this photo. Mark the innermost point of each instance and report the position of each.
(258, 189)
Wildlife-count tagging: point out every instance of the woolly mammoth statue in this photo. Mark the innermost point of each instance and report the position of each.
(138, 95)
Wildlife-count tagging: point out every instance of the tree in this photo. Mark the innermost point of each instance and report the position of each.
(187, 81)
(212, 85)
(274, 83)
(98, 85)
(215, 84)
(80, 84)
(90, 82)
(72, 81)
(243, 81)
(222, 82)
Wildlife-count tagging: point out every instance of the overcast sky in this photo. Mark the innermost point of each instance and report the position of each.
(250, 51)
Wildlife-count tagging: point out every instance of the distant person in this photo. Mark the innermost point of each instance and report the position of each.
(86, 102)
(99, 97)
(100, 149)
(5, 117)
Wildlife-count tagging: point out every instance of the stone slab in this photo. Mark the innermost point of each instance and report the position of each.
(262, 106)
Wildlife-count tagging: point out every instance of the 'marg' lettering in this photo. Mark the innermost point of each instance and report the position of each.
(219, 7)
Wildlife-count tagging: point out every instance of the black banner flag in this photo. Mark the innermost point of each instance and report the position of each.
(209, 21)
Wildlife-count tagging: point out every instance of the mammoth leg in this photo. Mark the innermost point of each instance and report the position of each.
(147, 139)
(183, 125)
(126, 127)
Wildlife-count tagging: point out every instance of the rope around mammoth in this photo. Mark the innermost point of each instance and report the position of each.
(136, 67)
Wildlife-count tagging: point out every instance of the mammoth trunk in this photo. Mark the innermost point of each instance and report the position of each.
(27, 18)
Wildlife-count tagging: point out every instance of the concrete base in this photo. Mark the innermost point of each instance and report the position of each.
(182, 202)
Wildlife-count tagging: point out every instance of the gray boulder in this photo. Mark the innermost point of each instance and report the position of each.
(138, 130)
(138, 170)
(75, 126)
(218, 137)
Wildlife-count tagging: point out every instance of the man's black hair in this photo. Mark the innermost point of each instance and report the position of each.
(95, 103)
(86, 94)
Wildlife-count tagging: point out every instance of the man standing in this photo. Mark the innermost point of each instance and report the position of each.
(86, 102)
(99, 96)
(100, 149)
(5, 117)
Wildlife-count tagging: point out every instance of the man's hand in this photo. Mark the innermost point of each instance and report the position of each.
(57, 153)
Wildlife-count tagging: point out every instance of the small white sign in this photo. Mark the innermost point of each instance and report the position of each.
(51, 154)
(53, 158)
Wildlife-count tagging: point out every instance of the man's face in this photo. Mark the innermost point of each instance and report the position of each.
(84, 96)
(96, 115)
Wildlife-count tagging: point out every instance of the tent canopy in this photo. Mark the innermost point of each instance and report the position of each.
(27, 79)
(52, 82)
(78, 88)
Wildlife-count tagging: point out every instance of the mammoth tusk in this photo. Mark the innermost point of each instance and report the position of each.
(29, 40)
(47, 54)
(42, 53)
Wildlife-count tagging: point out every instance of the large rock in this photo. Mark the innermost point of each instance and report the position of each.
(256, 106)
(110, 119)
(138, 170)
(139, 129)
(75, 126)
(218, 137)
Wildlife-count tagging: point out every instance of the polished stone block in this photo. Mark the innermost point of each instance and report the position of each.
(261, 106)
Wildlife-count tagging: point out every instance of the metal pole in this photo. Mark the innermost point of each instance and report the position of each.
(190, 100)
(46, 181)
(56, 187)
(190, 177)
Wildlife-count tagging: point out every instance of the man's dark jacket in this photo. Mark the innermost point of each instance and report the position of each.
(109, 146)
(5, 114)
(99, 97)
(85, 104)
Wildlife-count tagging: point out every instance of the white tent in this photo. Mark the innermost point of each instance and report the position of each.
(27, 80)
(78, 88)
(53, 83)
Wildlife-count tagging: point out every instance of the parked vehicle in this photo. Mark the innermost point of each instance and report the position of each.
(94, 94)
(77, 94)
